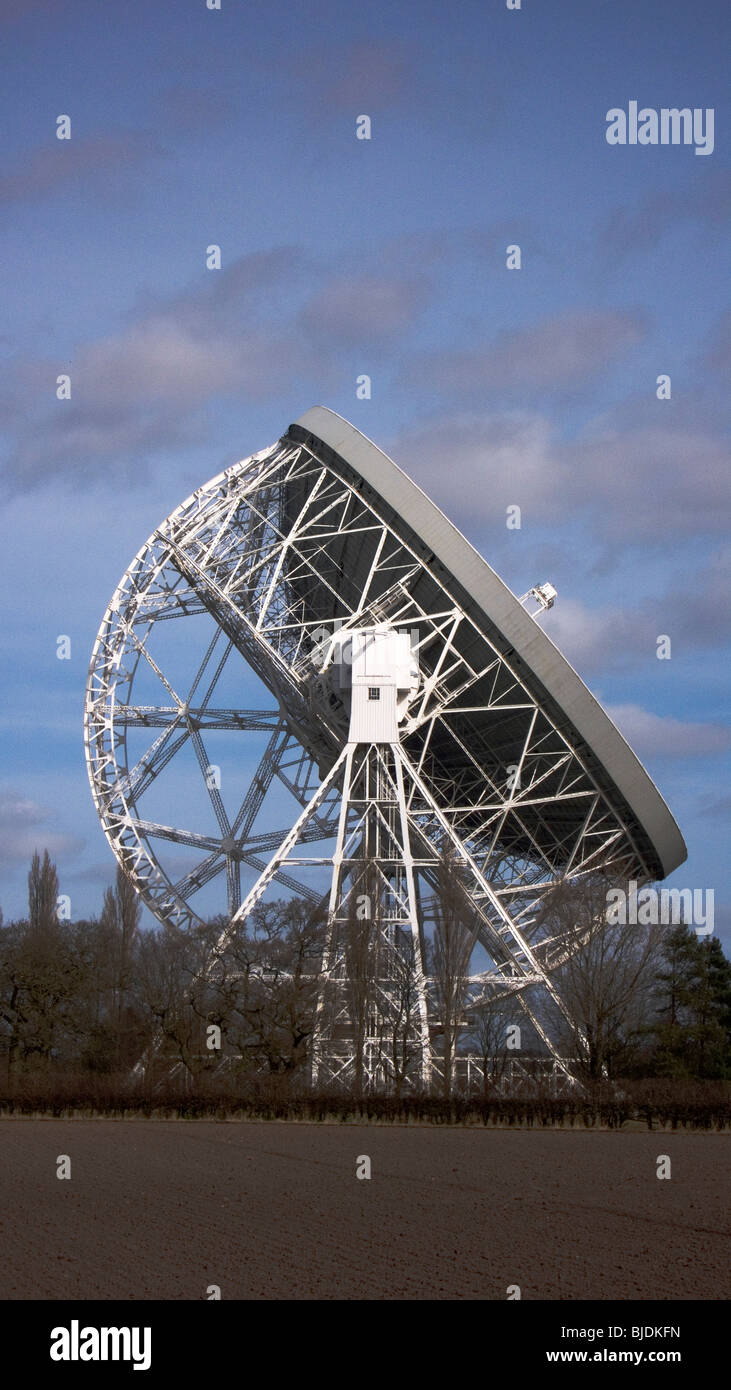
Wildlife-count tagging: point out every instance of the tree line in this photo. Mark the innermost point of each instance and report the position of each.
(105, 995)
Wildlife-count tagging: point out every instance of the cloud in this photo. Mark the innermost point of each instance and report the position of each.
(13, 10)
(141, 391)
(718, 354)
(101, 873)
(368, 75)
(653, 479)
(19, 810)
(68, 163)
(628, 478)
(654, 735)
(259, 284)
(601, 639)
(625, 231)
(193, 109)
(261, 328)
(80, 445)
(364, 311)
(475, 465)
(21, 830)
(562, 351)
(595, 639)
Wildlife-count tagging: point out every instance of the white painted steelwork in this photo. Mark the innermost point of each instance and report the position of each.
(485, 745)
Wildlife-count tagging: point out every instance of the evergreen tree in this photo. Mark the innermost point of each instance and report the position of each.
(692, 1026)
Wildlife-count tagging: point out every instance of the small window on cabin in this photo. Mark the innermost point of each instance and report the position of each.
(374, 692)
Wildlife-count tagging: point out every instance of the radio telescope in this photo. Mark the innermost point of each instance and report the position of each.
(310, 614)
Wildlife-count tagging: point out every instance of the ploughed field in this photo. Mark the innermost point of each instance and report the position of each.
(165, 1209)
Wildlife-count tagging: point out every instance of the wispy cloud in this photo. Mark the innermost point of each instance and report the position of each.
(12, 11)
(476, 463)
(627, 230)
(264, 326)
(364, 310)
(186, 106)
(600, 639)
(661, 736)
(96, 161)
(620, 469)
(369, 75)
(718, 352)
(608, 638)
(562, 351)
(23, 829)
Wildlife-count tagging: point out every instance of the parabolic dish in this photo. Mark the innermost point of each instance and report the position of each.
(507, 753)
(494, 610)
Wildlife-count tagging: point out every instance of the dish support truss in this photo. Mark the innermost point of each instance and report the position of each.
(283, 552)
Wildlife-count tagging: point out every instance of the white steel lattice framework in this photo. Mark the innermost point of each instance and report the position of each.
(495, 756)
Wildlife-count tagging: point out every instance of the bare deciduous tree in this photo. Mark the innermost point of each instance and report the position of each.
(119, 923)
(362, 954)
(400, 1041)
(41, 978)
(607, 980)
(42, 893)
(171, 961)
(451, 951)
(488, 1026)
(276, 965)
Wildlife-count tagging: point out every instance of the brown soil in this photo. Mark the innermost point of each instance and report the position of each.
(163, 1209)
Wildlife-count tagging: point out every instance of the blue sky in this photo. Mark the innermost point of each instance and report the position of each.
(387, 257)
